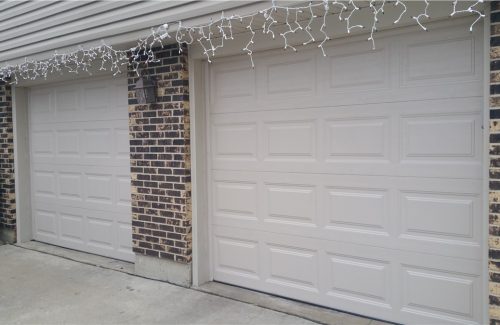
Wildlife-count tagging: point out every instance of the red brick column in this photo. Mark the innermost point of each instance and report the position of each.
(160, 161)
(494, 195)
(7, 181)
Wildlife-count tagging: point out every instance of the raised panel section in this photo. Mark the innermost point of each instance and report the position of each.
(68, 143)
(237, 256)
(343, 61)
(122, 143)
(438, 137)
(440, 59)
(46, 223)
(235, 200)
(99, 233)
(72, 227)
(44, 183)
(99, 188)
(95, 98)
(290, 76)
(125, 237)
(437, 291)
(293, 267)
(41, 102)
(291, 204)
(236, 141)
(436, 214)
(357, 209)
(67, 100)
(358, 278)
(97, 142)
(123, 191)
(233, 83)
(290, 140)
(358, 138)
(42, 143)
(70, 186)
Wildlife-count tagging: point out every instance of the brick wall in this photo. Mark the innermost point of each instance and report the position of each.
(160, 161)
(494, 213)
(7, 183)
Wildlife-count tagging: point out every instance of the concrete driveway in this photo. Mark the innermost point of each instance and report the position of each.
(37, 288)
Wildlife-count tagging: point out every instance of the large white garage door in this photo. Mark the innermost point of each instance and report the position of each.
(354, 181)
(80, 169)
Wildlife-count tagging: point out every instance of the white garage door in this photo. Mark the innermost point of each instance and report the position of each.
(354, 181)
(80, 168)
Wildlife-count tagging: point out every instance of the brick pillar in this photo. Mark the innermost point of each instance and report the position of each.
(7, 182)
(494, 195)
(160, 165)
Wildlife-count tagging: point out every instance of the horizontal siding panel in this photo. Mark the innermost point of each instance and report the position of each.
(48, 33)
(42, 18)
(98, 14)
(24, 9)
(8, 5)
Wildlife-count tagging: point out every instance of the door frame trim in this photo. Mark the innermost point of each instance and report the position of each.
(22, 168)
(486, 160)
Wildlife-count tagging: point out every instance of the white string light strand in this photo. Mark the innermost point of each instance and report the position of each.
(422, 16)
(470, 9)
(214, 35)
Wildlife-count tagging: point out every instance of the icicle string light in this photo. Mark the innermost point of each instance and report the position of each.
(213, 36)
(423, 15)
(470, 9)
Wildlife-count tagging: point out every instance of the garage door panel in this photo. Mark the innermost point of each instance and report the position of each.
(369, 139)
(444, 292)
(80, 166)
(425, 139)
(292, 204)
(354, 181)
(236, 257)
(440, 137)
(371, 284)
(96, 100)
(72, 227)
(105, 188)
(67, 101)
(99, 232)
(356, 278)
(448, 216)
(341, 61)
(102, 143)
(292, 266)
(290, 140)
(411, 214)
(442, 64)
(46, 223)
(290, 76)
(445, 56)
(235, 141)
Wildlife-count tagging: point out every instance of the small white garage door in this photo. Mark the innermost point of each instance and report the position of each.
(354, 181)
(80, 168)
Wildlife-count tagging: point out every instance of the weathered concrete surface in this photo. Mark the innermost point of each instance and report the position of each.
(41, 288)
(314, 313)
(310, 312)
